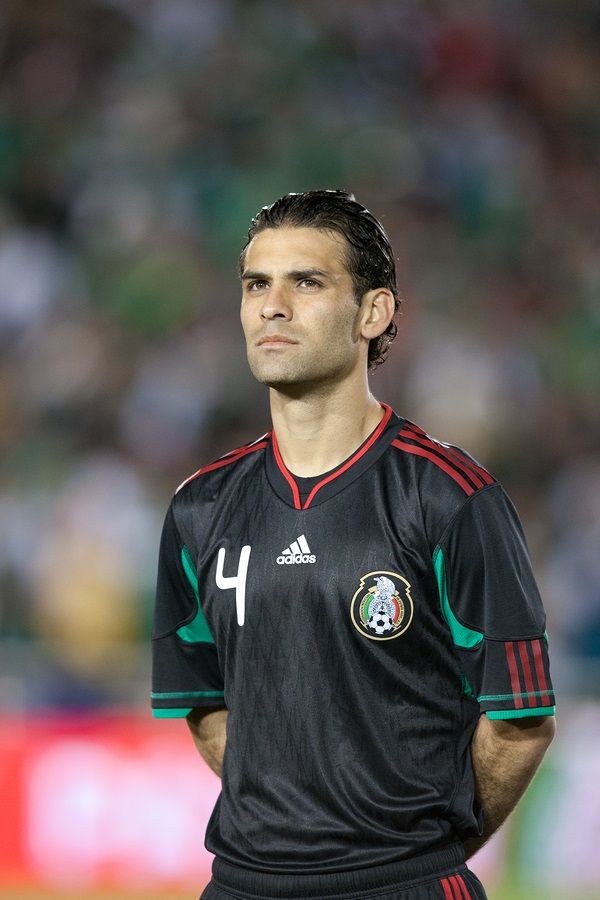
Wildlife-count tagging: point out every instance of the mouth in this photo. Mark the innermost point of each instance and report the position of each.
(274, 340)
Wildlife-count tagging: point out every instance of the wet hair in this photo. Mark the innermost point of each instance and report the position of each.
(369, 256)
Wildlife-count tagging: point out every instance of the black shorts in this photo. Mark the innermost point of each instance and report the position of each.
(434, 876)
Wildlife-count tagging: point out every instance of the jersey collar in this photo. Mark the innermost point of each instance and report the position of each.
(284, 484)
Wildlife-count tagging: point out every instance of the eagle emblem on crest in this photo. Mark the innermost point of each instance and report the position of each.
(382, 607)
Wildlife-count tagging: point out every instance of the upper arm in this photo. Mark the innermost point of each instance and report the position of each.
(531, 728)
(207, 725)
(493, 609)
(209, 731)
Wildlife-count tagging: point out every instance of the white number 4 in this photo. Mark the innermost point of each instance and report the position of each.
(228, 582)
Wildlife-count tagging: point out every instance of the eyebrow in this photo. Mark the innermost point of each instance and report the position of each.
(293, 275)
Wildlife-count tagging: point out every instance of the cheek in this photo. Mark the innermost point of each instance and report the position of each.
(245, 317)
(339, 325)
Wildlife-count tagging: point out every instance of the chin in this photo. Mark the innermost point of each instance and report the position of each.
(272, 374)
(279, 377)
(277, 380)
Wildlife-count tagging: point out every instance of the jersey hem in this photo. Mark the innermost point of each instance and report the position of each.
(184, 695)
(498, 697)
(245, 879)
(178, 713)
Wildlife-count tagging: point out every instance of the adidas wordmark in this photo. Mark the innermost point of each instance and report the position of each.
(297, 552)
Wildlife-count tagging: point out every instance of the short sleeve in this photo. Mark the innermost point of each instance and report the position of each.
(493, 609)
(185, 666)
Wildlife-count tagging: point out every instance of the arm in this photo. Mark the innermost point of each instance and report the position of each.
(506, 754)
(208, 727)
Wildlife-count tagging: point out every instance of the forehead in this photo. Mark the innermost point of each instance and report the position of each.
(281, 249)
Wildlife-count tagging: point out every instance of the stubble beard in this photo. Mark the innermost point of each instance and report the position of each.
(297, 376)
(278, 373)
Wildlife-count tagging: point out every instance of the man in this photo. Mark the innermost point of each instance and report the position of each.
(346, 612)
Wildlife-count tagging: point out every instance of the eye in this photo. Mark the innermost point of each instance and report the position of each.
(257, 285)
(310, 283)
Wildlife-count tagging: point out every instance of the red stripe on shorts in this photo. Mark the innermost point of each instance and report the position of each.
(448, 892)
(465, 893)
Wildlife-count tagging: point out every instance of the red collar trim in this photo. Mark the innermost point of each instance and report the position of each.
(335, 474)
(286, 473)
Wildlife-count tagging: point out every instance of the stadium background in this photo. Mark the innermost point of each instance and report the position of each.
(137, 138)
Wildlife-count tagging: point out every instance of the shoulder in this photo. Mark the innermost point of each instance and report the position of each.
(442, 461)
(241, 458)
(445, 476)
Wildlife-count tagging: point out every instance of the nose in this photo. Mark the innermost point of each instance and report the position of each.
(276, 304)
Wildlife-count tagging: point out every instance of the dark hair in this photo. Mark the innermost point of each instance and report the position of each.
(369, 256)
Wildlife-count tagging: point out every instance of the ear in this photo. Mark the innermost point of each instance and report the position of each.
(376, 312)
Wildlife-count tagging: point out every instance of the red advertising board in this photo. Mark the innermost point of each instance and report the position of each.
(111, 801)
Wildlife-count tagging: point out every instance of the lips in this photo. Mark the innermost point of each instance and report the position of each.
(275, 339)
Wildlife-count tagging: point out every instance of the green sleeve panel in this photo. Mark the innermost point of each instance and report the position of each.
(462, 635)
(197, 631)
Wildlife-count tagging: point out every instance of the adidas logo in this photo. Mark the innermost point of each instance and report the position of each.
(297, 552)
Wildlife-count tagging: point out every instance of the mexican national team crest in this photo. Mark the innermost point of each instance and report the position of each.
(382, 607)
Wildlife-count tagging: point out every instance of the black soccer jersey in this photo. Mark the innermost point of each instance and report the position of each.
(355, 634)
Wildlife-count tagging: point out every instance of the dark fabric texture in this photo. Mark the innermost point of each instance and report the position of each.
(349, 726)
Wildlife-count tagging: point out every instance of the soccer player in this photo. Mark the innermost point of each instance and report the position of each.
(346, 612)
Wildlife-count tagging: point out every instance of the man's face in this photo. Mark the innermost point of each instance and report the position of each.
(299, 314)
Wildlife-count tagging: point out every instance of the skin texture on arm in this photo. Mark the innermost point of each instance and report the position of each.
(506, 754)
(208, 728)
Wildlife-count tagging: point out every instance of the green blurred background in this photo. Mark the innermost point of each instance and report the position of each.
(137, 139)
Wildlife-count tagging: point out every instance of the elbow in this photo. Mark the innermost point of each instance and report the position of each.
(541, 736)
(536, 731)
(547, 730)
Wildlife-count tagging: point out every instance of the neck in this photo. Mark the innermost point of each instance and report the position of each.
(320, 429)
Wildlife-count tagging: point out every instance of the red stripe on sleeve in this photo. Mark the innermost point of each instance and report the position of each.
(536, 646)
(522, 645)
(483, 473)
(514, 673)
(420, 451)
(448, 892)
(231, 457)
(426, 442)
(452, 451)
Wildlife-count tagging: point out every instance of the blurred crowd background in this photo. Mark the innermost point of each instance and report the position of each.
(138, 138)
